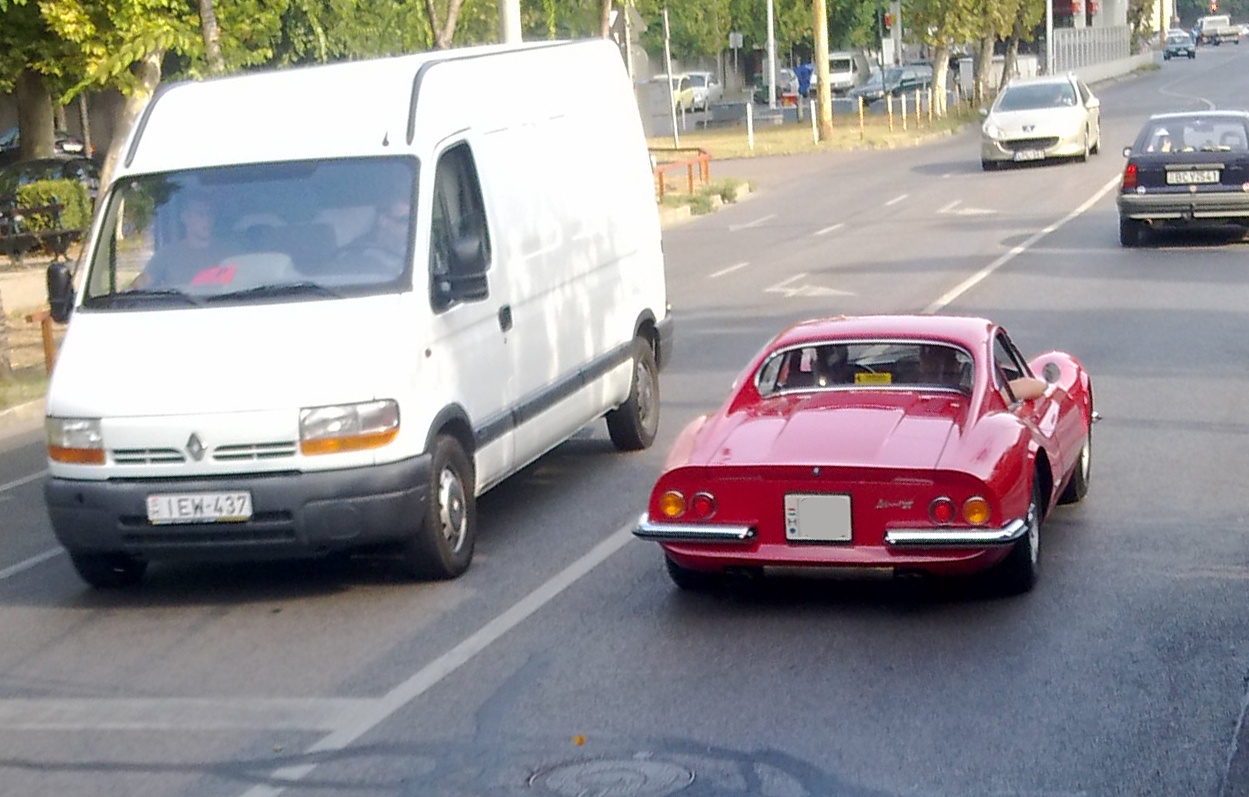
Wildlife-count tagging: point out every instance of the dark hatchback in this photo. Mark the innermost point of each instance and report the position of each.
(1186, 169)
(63, 145)
(1179, 45)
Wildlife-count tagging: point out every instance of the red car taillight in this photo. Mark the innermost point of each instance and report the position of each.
(942, 510)
(1129, 178)
(702, 506)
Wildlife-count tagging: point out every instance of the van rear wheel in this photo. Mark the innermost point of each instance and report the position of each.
(442, 545)
(633, 425)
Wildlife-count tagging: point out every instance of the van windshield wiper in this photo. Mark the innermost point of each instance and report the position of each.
(142, 296)
(278, 289)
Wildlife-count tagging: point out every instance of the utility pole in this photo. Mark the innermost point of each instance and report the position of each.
(509, 21)
(771, 57)
(823, 98)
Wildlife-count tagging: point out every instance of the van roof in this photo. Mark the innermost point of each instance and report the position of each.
(365, 107)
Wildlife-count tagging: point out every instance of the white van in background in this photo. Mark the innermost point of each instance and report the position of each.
(846, 70)
(324, 308)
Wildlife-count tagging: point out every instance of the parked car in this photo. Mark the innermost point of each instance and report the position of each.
(786, 83)
(63, 144)
(919, 444)
(1179, 44)
(15, 175)
(1184, 169)
(707, 90)
(895, 80)
(682, 90)
(1034, 119)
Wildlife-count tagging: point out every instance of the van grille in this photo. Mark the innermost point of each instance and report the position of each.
(147, 456)
(254, 451)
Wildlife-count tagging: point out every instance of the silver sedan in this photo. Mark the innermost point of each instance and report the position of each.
(1035, 119)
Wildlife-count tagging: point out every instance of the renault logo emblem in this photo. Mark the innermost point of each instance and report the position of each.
(194, 447)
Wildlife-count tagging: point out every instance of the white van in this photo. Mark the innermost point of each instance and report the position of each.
(322, 309)
(846, 70)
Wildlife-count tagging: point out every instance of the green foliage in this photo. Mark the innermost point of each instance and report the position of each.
(69, 194)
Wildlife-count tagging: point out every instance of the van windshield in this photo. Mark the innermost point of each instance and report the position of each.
(256, 232)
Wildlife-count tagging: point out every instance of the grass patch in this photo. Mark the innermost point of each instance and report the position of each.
(25, 385)
(705, 198)
(795, 137)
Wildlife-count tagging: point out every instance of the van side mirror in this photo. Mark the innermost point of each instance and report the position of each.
(60, 291)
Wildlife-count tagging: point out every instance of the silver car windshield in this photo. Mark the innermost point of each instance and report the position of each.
(256, 232)
(1031, 96)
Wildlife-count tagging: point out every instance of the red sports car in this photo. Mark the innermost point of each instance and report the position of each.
(921, 444)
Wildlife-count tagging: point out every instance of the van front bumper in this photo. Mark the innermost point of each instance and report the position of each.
(294, 515)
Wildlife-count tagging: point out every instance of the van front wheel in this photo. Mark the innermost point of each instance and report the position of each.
(633, 425)
(442, 545)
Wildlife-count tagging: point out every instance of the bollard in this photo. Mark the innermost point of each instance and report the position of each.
(930, 106)
(750, 126)
(862, 127)
(903, 98)
(917, 108)
(815, 130)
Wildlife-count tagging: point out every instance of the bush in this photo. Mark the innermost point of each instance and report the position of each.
(69, 194)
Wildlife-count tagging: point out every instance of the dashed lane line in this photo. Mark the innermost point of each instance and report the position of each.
(725, 271)
(749, 224)
(827, 230)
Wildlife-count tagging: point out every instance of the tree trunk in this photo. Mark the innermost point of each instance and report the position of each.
(1012, 48)
(34, 115)
(85, 124)
(985, 84)
(443, 33)
(147, 70)
(940, 74)
(604, 18)
(212, 37)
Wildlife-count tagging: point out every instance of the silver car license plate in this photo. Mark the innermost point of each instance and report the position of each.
(230, 507)
(817, 518)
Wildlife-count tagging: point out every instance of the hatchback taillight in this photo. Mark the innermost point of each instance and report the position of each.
(1129, 178)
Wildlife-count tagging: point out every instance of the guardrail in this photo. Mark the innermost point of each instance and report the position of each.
(701, 160)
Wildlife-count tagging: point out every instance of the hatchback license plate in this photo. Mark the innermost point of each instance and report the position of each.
(166, 508)
(1030, 155)
(817, 518)
(1192, 177)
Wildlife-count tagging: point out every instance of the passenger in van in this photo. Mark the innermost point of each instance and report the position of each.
(382, 248)
(182, 262)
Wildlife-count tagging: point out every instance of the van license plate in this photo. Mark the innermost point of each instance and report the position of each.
(1030, 155)
(166, 508)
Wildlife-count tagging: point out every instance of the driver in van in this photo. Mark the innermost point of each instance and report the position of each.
(382, 248)
(181, 262)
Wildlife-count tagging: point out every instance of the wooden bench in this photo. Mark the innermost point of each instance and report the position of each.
(16, 241)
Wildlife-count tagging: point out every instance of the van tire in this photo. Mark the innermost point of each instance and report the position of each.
(442, 545)
(633, 425)
(108, 570)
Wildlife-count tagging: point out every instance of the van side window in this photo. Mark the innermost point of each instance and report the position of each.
(459, 241)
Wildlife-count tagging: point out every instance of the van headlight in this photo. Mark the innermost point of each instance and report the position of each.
(347, 427)
(76, 441)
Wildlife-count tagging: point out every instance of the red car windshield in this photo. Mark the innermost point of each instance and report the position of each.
(866, 364)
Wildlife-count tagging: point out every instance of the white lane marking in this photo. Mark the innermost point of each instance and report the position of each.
(953, 209)
(827, 230)
(34, 561)
(896, 200)
(748, 225)
(179, 714)
(728, 270)
(805, 290)
(4, 488)
(975, 279)
(375, 712)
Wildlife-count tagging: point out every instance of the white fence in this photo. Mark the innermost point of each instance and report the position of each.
(1081, 47)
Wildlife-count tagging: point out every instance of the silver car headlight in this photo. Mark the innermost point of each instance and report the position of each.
(347, 427)
(992, 131)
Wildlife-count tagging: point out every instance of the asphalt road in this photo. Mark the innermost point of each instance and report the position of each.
(565, 663)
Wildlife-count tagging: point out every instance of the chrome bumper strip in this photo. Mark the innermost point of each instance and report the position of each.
(954, 537)
(692, 532)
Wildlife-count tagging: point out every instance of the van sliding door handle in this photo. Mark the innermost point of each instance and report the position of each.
(505, 317)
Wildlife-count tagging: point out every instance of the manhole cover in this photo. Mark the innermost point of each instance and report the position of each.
(626, 778)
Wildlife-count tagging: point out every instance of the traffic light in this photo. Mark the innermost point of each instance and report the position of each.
(1214, 6)
(888, 20)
